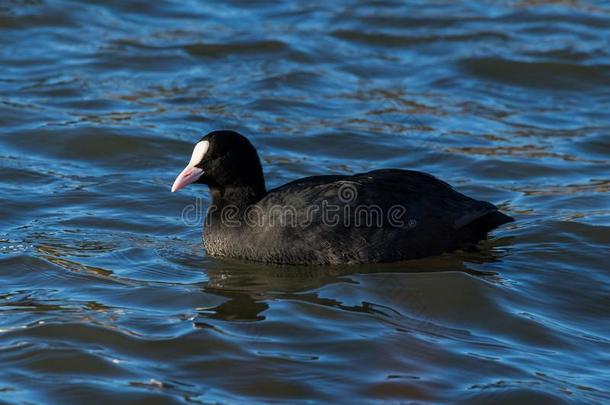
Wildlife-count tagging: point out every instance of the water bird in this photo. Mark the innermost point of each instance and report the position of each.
(383, 215)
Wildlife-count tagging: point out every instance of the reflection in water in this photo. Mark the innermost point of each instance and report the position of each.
(239, 307)
(247, 286)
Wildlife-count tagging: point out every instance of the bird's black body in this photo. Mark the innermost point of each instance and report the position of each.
(380, 216)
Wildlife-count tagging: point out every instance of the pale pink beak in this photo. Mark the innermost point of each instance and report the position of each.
(189, 175)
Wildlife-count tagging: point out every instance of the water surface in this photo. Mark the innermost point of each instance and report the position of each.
(108, 296)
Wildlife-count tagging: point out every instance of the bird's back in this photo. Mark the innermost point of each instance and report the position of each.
(379, 216)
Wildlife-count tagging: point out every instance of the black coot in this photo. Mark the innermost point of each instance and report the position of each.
(380, 216)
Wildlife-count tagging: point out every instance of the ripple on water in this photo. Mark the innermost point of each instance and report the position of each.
(550, 76)
(108, 293)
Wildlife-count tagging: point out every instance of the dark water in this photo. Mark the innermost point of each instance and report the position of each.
(108, 297)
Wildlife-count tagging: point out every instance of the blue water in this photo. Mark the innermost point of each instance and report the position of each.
(107, 295)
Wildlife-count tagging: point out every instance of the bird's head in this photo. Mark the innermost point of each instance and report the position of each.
(223, 159)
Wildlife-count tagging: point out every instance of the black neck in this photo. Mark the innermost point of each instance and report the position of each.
(236, 197)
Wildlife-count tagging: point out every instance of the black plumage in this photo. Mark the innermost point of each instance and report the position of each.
(380, 216)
